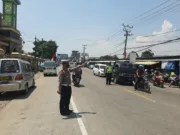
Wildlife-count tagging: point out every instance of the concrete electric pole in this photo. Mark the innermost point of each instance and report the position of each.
(127, 30)
(84, 49)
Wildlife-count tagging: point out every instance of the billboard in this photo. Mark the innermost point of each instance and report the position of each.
(62, 56)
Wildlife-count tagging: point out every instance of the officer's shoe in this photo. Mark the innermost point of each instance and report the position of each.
(70, 111)
(65, 113)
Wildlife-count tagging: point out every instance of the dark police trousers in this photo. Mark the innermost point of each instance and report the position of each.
(65, 98)
(108, 78)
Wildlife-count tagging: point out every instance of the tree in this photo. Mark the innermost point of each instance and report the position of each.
(147, 54)
(137, 55)
(108, 57)
(45, 49)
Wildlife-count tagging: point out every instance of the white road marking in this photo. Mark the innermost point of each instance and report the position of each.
(80, 122)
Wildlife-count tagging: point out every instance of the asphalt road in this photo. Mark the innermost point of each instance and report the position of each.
(99, 110)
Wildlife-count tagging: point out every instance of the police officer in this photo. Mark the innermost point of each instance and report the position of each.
(109, 70)
(65, 87)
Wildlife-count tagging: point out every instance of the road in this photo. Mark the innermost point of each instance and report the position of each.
(99, 110)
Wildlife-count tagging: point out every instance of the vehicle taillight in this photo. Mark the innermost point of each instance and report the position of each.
(19, 77)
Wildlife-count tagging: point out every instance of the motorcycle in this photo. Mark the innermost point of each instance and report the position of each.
(76, 80)
(159, 81)
(144, 85)
(175, 81)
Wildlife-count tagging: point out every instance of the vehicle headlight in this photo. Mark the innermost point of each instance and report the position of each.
(101, 70)
(121, 74)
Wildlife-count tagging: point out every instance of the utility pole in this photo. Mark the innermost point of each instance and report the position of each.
(127, 30)
(35, 43)
(84, 49)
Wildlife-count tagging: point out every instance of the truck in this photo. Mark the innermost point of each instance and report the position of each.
(124, 72)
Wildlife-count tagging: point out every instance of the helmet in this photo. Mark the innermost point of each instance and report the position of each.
(141, 67)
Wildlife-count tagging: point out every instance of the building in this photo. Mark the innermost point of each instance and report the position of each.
(60, 57)
(75, 56)
(10, 37)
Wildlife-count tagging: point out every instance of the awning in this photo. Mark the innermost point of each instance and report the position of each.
(146, 62)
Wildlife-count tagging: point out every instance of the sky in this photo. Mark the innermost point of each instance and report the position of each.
(98, 24)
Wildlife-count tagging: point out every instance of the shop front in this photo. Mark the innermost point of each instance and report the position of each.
(170, 66)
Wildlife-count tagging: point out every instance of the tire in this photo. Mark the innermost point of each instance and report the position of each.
(34, 83)
(115, 80)
(44, 74)
(147, 88)
(99, 74)
(26, 89)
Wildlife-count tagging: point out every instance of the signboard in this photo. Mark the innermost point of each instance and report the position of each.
(168, 65)
(132, 57)
(9, 13)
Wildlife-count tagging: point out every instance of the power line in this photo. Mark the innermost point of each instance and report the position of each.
(157, 34)
(117, 33)
(165, 42)
(158, 16)
(156, 11)
(150, 10)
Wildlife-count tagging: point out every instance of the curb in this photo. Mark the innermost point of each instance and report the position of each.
(37, 75)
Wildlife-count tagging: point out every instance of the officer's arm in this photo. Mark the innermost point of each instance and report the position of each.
(61, 76)
(73, 69)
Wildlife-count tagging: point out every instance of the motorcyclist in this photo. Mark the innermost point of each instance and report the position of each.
(77, 72)
(139, 75)
(172, 78)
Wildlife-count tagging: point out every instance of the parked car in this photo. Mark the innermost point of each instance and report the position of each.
(41, 67)
(99, 69)
(123, 71)
(50, 68)
(91, 66)
(16, 75)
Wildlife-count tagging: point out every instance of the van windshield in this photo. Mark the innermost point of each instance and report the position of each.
(49, 64)
(9, 66)
(102, 67)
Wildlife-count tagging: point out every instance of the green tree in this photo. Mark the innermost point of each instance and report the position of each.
(45, 49)
(147, 54)
(108, 57)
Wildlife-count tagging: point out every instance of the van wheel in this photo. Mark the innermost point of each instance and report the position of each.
(26, 89)
(34, 83)
(115, 80)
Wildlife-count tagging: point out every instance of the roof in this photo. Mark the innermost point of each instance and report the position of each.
(15, 59)
(18, 2)
(101, 64)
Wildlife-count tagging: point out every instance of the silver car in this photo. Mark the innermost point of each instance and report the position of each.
(16, 75)
(50, 68)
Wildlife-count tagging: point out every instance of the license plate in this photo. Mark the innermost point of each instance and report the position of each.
(5, 78)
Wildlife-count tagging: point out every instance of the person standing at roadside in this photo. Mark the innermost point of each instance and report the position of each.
(109, 70)
(65, 87)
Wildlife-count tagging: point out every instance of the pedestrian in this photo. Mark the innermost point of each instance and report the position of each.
(109, 70)
(65, 87)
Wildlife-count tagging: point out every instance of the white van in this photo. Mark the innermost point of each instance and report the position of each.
(16, 75)
(50, 68)
(99, 69)
(72, 64)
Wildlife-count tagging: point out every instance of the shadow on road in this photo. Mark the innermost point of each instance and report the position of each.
(80, 86)
(16, 95)
(78, 115)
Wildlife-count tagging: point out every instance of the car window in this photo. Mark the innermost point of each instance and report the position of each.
(52, 64)
(102, 67)
(9, 66)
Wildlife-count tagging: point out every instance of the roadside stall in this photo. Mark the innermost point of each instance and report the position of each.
(16, 55)
(1, 53)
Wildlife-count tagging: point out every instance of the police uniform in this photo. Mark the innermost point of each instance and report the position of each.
(65, 87)
(108, 74)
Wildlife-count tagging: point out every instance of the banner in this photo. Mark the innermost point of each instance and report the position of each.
(168, 65)
(132, 58)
